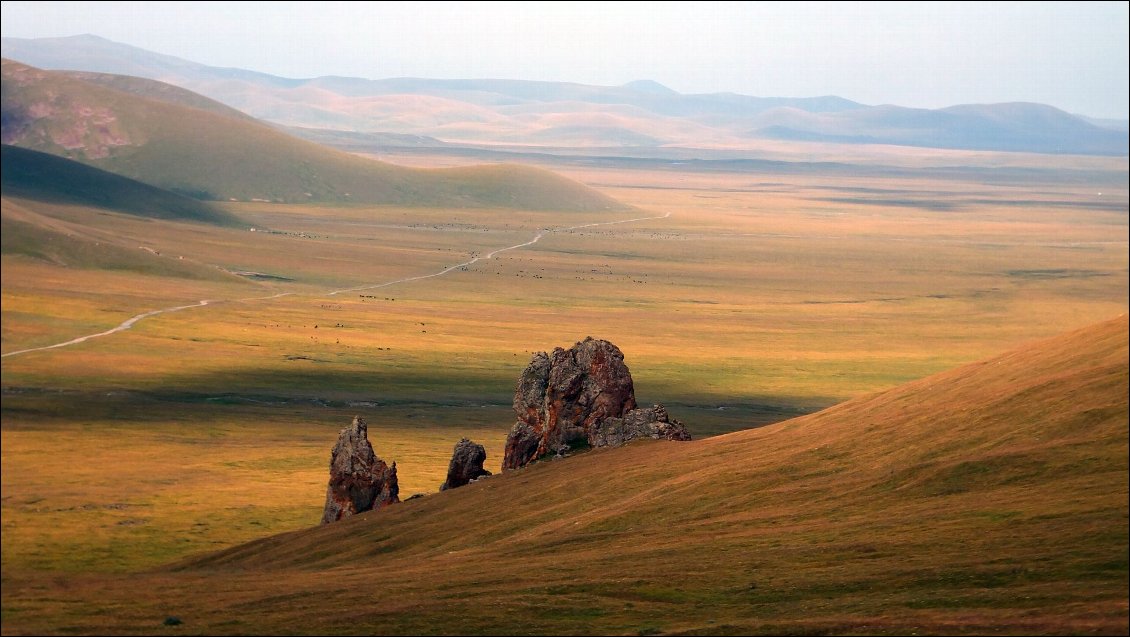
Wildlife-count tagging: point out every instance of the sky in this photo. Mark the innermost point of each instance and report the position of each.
(1072, 55)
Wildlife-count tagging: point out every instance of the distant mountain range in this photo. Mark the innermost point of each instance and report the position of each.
(181, 142)
(642, 113)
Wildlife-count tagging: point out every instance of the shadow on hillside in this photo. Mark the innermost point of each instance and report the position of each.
(51, 179)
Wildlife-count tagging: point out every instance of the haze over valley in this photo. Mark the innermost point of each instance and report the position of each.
(638, 115)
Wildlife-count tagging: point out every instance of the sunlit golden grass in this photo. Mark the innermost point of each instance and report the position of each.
(755, 285)
(756, 300)
(148, 485)
(989, 498)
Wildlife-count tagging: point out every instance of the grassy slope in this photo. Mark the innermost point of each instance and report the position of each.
(212, 155)
(992, 497)
(43, 177)
(28, 234)
(160, 91)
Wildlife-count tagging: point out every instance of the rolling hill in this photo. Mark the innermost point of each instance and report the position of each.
(36, 185)
(990, 498)
(40, 176)
(163, 138)
(28, 234)
(646, 114)
(159, 91)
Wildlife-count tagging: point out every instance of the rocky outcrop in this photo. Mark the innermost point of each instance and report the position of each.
(466, 465)
(563, 399)
(651, 422)
(359, 480)
(521, 446)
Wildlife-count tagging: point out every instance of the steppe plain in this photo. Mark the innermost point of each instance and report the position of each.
(739, 297)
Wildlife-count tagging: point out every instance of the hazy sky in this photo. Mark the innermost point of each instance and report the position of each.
(1072, 55)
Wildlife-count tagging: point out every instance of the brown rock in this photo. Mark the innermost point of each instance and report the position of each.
(521, 446)
(651, 422)
(359, 480)
(466, 465)
(562, 399)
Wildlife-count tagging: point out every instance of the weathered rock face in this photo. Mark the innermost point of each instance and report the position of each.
(521, 446)
(359, 480)
(651, 422)
(560, 396)
(466, 465)
(563, 398)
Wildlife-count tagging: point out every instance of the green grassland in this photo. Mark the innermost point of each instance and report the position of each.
(755, 300)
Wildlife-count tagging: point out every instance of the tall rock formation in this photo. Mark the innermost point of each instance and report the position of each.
(359, 480)
(466, 465)
(562, 401)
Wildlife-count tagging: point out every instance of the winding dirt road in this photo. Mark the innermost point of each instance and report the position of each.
(490, 255)
(128, 323)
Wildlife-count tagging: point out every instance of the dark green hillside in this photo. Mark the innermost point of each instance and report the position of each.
(43, 177)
